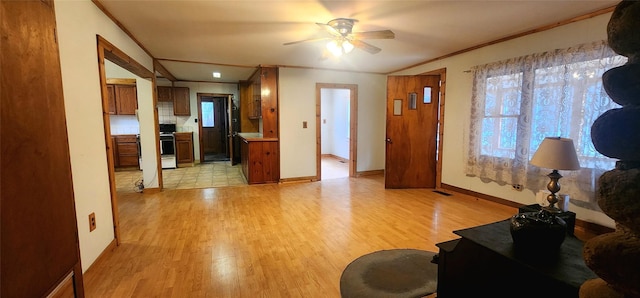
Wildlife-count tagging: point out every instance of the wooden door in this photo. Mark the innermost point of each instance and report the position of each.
(412, 127)
(213, 125)
(38, 221)
(233, 128)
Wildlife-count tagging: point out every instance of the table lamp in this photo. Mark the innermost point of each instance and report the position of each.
(558, 154)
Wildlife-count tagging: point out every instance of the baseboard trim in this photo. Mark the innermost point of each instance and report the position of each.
(298, 179)
(481, 196)
(369, 173)
(336, 157)
(107, 250)
(586, 226)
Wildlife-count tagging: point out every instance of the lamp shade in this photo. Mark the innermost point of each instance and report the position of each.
(556, 153)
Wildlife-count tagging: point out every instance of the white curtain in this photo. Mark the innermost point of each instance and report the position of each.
(518, 102)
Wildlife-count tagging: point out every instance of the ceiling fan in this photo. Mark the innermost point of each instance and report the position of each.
(343, 39)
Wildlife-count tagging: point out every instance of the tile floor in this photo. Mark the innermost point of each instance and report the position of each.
(203, 175)
(215, 174)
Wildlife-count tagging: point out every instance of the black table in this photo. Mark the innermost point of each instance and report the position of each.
(484, 261)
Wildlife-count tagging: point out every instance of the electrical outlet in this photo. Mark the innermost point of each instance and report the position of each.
(517, 187)
(92, 221)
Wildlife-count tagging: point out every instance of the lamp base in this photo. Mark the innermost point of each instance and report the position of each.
(540, 232)
(552, 209)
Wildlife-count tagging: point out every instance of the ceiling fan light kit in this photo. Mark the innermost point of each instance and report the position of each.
(339, 47)
(343, 40)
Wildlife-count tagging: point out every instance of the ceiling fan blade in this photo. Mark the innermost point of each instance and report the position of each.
(329, 29)
(382, 34)
(365, 46)
(305, 40)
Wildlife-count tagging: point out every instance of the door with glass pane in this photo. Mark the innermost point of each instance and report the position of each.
(213, 122)
(412, 130)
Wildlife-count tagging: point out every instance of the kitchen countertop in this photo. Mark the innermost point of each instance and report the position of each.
(255, 137)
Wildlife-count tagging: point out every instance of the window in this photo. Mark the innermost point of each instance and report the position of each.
(502, 110)
(207, 114)
(518, 102)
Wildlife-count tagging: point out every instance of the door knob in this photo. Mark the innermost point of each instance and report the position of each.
(389, 140)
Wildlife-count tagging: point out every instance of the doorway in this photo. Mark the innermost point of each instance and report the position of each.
(415, 105)
(336, 130)
(146, 84)
(213, 112)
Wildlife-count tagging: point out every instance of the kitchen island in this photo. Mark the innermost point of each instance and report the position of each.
(260, 158)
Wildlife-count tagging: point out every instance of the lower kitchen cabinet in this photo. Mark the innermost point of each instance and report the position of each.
(184, 148)
(260, 160)
(125, 150)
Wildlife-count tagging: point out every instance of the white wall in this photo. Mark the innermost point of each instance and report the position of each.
(297, 103)
(458, 97)
(326, 118)
(78, 22)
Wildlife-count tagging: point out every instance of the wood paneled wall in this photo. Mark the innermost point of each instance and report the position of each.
(39, 231)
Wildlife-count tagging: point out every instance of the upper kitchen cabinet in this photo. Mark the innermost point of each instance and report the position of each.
(181, 105)
(255, 101)
(123, 99)
(164, 94)
(259, 98)
(269, 101)
(111, 91)
(248, 121)
(179, 96)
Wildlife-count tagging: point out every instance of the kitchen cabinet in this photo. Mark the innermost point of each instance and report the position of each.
(181, 105)
(114, 151)
(247, 122)
(255, 107)
(164, 94)
(261, 100)
(178, 96)
(111, 91)
(184, 148)
(123, 99)
(126, 151)
(260, 159)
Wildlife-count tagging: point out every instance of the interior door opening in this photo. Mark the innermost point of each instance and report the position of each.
(213, 112)
(336, 130)
(131, 153)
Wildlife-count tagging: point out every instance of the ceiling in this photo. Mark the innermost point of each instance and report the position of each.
(192, 39)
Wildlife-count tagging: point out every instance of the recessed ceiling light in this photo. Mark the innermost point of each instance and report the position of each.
(216, 74)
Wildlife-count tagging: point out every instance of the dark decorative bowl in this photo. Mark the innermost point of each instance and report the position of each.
(541, 232)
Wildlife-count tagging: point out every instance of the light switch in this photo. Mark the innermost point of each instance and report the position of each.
(324, 121)
(304, 124)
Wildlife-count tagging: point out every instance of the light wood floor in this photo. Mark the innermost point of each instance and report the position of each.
(333, 167)
(276, 240)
